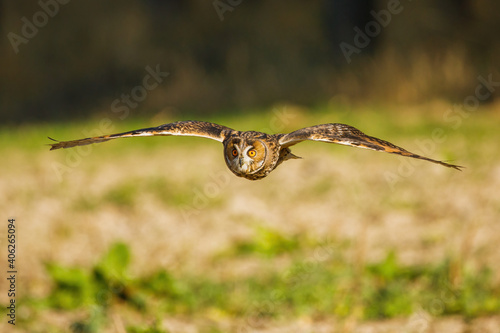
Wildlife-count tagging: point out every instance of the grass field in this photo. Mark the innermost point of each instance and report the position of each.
(156, 235)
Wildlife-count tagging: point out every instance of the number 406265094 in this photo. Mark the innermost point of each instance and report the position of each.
(11, 238)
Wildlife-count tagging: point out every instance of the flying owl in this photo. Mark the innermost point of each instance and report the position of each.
(253, 155)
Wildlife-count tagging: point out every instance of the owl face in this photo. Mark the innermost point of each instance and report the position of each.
(245, 157)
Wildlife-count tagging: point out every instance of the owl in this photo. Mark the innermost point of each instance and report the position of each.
(253, 155)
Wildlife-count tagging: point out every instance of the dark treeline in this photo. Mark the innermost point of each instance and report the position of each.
(70, 58)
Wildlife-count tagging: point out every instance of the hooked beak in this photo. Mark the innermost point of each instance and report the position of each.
(243, 165)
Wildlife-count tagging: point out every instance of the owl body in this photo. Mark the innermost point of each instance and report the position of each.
(253, 155)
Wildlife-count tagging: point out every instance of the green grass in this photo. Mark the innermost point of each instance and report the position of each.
(255, 253)
(315, 289)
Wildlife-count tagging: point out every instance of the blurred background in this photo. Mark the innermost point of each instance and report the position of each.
(229, 57)
(156, 235)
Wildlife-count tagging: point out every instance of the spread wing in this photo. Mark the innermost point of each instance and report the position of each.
(349, 136)
(187, 128)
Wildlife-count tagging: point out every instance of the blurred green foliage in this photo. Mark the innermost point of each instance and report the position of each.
(313, 288)
(268, 243)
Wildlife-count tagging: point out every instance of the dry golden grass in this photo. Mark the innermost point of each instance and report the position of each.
(177, 206)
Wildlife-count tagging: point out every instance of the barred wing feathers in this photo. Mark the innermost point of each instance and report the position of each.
(350, 136)
(186, 128)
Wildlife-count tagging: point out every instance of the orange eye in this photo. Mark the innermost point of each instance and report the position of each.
(252, 153)
(234, 152)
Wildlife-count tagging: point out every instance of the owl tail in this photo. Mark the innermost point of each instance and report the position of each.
(291, 156)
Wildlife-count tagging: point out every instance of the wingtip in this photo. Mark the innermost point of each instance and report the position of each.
(54, 145)
(454, 166)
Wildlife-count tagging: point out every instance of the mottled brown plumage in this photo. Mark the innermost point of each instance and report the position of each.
(253, 155)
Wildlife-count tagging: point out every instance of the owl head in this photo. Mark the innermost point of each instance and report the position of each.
(245, 156)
